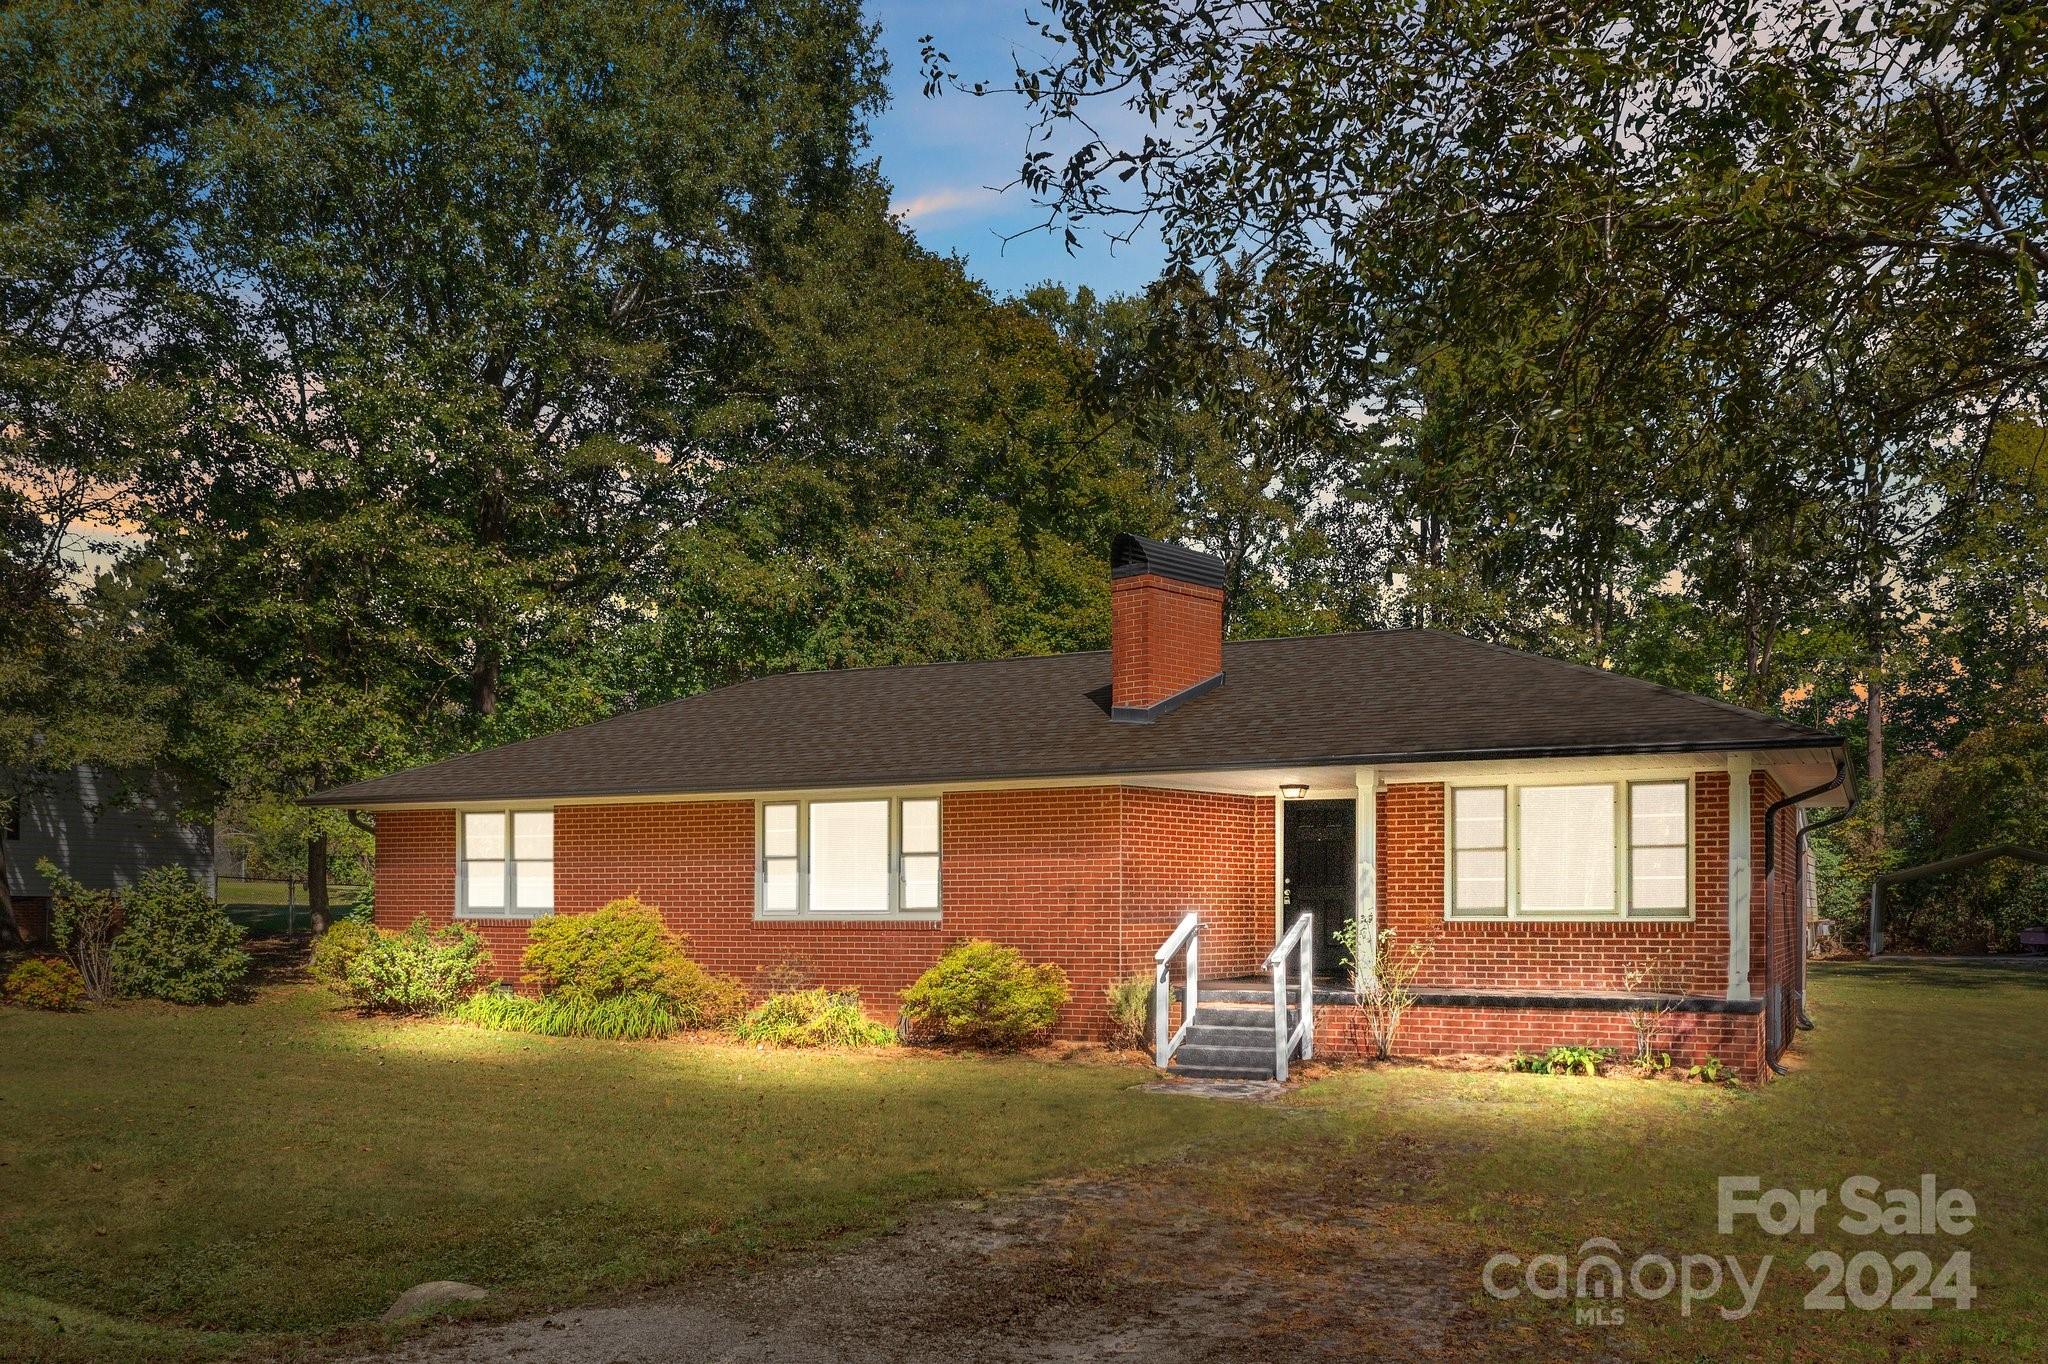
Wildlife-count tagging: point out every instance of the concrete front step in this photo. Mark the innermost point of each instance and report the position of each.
(1259, 994)
(1241, 1020)
(1228, 1043)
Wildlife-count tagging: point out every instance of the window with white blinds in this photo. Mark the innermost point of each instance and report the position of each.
(1479, 852)
(1659, 851)
(861, 858)
(507, 864)
(1566, 849)
(1578, 850)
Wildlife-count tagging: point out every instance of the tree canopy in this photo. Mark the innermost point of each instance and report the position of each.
(460, 371)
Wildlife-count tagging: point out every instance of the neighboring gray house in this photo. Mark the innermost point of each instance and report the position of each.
(102, 829)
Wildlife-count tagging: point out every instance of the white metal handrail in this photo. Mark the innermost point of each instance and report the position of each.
(1187, 935)
(1299, 940)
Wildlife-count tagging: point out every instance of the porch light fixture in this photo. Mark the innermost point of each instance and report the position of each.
(1293, 791)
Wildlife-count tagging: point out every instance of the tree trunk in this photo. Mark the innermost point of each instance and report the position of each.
(316, 882)
(1874, 758)
(483, 682)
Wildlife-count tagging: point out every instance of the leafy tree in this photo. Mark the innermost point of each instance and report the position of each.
(1675, 311)
(278, 837)
(75, 420)
(438, 306)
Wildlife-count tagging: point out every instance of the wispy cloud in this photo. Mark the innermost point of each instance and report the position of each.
(941, 203)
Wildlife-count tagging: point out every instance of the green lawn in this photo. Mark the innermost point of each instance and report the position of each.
(1912, 1071)
(201, 1181)
(236, 894)
(284, 1167)
(260, 906)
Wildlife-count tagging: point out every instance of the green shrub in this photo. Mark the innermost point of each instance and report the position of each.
(176, 942)
(1130, 1008)
(1562, 1060)
(624, 951)
(619, 950)
(420, 971)
(82, 925)
(336, 950)
(45, 983)
(812, 1018)
(697, 997)
(362, 909)
(983, 994)
(617, 1018)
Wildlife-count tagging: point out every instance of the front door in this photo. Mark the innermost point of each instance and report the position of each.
(1320, 868)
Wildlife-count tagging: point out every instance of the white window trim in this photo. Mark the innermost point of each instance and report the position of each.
(1624, 891)
(895, 913)
(513, 911)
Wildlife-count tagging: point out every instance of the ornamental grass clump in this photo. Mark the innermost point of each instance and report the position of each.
(983, 994)
(812, 1018)
(1130, 1007)
(633, 1017)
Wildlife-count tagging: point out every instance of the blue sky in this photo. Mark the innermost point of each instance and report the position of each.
(947, 157)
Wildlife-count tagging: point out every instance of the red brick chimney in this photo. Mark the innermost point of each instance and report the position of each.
(1166, 626)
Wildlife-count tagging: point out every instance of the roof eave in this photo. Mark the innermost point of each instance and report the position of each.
(341, 796)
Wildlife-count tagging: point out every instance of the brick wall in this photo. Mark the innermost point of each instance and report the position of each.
(1187, 850)
(1521, 954)
(1165, 636)
(1438, 1030)
(32, 916)
(1092, 878)
(1553, 956)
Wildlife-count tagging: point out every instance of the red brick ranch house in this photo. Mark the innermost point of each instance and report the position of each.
(1542, 826)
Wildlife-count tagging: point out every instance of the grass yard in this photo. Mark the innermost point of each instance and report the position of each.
(251, 1179)
(195, 1178)
(1913, 1070)
(260, 906)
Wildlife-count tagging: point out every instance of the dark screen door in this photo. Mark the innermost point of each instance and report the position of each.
(1320, 869)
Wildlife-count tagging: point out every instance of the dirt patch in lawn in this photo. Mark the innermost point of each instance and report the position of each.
(1180, 1262)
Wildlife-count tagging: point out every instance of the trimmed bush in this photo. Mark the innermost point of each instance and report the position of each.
(624, 951)
(812, 1018)
(362, 909)
(619, 950)
(1130, 1008)
(45, 983)
(699, 998)
(420, 971)
(982, 994)
(336, 950)
(176, 942)
(618, 1018)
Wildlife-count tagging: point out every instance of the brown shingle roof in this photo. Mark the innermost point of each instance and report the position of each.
(1382, 697)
